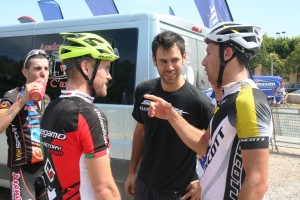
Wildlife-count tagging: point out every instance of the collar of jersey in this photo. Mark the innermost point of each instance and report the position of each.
(235, 86)
(76, 93)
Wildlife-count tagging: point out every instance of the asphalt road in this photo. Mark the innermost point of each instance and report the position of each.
(119, 170)
(4, 193)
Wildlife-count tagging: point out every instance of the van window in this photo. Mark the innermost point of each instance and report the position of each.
(12, 53)
(120, 91)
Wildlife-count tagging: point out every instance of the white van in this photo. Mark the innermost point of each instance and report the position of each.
(132, 35)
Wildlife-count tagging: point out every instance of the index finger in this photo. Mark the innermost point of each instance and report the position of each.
(152, 97)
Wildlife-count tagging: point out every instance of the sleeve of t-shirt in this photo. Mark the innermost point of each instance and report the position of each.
(93, 130)
(138, 98)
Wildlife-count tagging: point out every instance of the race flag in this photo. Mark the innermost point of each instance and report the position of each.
(171, 12)
(50, 10)
(102, 7)
(26, 19)
(213, 12)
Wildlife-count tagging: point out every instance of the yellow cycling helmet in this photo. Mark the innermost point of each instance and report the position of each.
(82, 44)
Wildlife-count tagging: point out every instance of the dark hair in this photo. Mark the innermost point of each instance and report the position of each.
(72, 64)
(166, 40)
(34, 53)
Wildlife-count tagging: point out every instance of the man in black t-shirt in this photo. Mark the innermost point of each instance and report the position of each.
(166, 173)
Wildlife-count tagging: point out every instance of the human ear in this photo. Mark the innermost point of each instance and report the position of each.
(25, 72)
(228, 53)
(84, 66)
(154, 61)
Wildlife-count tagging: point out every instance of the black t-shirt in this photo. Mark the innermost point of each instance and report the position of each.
(167, 163)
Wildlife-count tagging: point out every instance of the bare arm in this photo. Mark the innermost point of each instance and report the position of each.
(101, 178)
(7, 115)
(256, 169)
(137, 146)
(194, 138)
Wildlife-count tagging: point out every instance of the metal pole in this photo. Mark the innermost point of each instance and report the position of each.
(271, 66)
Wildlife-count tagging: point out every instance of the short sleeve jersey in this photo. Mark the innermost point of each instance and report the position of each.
(23, 134)
(72, 128)
(167, 164)
(242, 120)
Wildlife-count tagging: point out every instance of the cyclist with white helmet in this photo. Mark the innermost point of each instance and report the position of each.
(236, 143)
(74, 131)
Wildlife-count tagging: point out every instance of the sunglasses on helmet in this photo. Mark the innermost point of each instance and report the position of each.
(35, 52)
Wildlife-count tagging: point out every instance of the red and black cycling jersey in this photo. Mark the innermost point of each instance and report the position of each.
(23, 133)
(72, 127)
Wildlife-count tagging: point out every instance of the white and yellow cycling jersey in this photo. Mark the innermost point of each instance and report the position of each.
(242, 120)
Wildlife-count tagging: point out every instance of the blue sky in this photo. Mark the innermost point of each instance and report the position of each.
(271, 15)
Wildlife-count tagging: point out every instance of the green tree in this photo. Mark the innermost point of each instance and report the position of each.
(293, 60)
(282, 52)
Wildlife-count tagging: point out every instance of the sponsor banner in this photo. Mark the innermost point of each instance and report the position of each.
(102, 7)
(171, 12)
(50, 10)
(213, 12)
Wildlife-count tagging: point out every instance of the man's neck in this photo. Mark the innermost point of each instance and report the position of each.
(174, 86)
(78, 86)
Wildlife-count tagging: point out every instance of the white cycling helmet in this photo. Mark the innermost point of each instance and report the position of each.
(245, 38)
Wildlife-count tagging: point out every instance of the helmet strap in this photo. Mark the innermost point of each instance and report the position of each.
(90, 81)
(223, 63)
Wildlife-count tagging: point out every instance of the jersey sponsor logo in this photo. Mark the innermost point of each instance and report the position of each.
(18, 154)
(33, 125)
(147, 103)
(144, 108)
(85, 96)
(15, 186)
(18, 143)
(33, 117)
(102, 123)
(236, 174)
(51, 146)
(30, 108)
(54, 152)
(214, 147)
(258, 139)
(222, 102)
(181, 112)
(52, 134)
(35, 135)
(37, 154)
(49, 171)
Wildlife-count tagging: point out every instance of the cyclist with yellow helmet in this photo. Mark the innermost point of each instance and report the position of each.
(74, 131)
